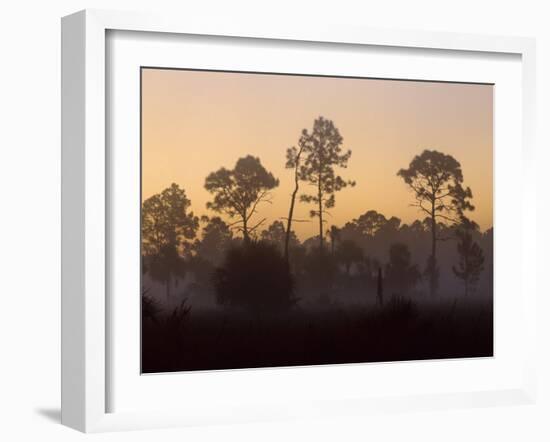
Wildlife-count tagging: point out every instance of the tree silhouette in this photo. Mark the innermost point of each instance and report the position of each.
(390, 227)
(436, 181)
(293, 156)
(255, 276)
(277, 235)
(239, 191)
(165, 220)
(323, 151)
(334, 235)
(471, 258)
(348, 253)
(367, 226)
(370, 222)
(216, 238)
(399, 271)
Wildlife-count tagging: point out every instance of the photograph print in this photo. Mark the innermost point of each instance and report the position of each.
(296, 220)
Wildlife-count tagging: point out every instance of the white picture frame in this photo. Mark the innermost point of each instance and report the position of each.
(86, 202)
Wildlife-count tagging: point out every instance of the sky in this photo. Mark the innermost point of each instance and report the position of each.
(195, 122)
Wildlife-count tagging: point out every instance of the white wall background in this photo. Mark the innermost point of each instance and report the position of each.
(30, 215)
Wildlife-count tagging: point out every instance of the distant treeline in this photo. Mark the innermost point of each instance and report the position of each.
(244, 262)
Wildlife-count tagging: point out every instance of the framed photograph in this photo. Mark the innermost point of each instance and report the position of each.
(262, 222)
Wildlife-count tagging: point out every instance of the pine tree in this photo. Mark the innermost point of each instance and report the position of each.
(471, 260)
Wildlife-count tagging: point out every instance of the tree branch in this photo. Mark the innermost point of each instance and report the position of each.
(251, 229)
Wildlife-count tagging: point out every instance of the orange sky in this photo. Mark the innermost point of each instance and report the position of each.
(195, 122)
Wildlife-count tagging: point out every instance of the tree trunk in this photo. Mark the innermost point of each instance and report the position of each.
(292, 202)
(246, 238)
(433, 263)
(291, 212)
(320, 197)
(289, 221)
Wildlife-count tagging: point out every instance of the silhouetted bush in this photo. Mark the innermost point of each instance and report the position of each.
(255, 276)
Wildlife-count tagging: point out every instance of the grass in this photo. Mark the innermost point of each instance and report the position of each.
(400, 330)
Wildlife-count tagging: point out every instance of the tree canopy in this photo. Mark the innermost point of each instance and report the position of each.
(165, 220)
(276, 234)
(216, 237)
(239, 191)
(436, 181)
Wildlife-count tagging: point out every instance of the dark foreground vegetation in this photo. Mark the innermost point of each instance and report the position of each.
(398, 331)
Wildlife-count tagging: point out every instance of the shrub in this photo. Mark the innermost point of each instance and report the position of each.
(255, 276)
